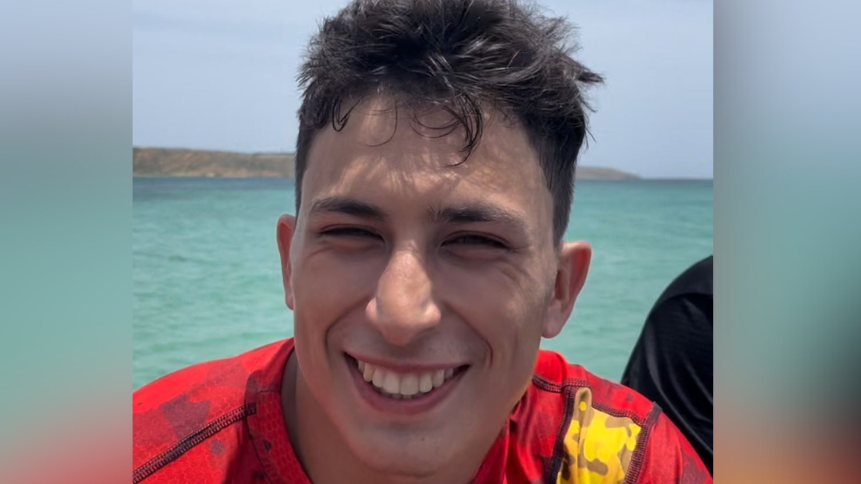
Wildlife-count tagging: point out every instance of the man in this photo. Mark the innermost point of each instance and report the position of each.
(672, 361)
(434, 178)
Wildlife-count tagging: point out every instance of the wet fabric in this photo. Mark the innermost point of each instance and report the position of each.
(671, 363)
(222, 421)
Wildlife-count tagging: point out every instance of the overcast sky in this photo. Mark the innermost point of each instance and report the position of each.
(221, 74)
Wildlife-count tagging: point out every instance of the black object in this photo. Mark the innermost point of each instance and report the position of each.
(672, 361)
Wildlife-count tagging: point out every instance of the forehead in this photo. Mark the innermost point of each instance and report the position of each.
(388, 157)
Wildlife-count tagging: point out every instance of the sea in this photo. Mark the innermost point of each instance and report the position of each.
(206, 277)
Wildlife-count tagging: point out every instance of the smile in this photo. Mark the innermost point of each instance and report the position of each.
(405, 385)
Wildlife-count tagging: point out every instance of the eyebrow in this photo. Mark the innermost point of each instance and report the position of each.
(478, 212)
(348, 206)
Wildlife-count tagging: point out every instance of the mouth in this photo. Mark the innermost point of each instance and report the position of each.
(416, 389)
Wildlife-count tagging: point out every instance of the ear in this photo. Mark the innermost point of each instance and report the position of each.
(284, 234)
(574, 259)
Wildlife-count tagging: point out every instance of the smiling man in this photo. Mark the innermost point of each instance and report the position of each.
(434, 178)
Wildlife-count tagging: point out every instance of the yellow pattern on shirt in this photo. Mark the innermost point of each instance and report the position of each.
(598, 446)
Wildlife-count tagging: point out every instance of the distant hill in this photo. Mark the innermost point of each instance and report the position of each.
(170, 162)
(598, 173)
(175, 162)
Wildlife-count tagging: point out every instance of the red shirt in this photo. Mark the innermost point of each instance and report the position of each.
(221, 421)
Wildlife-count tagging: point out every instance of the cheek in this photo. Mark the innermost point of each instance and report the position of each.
(505, 313)
(330, 287)
(329, 290)
(330, 281)
(504, 307)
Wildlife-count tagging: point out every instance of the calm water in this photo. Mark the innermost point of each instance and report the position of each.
(207, 282)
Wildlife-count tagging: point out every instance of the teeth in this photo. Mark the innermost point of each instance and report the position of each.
(410, 384)
(426, 382)
(438, 378)
(391, 382)
(378, 379)
(403, 386)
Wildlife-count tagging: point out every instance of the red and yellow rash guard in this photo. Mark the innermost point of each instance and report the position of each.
(222, 421)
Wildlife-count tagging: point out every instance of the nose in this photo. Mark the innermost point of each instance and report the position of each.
(403, 306)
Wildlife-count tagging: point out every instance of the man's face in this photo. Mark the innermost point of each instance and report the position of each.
(432, 279)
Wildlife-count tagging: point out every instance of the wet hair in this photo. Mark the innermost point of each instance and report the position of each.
(461, 56)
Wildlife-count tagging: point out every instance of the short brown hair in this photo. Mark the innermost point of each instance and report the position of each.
(459, 55)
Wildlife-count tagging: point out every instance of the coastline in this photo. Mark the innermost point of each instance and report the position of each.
(149, 162)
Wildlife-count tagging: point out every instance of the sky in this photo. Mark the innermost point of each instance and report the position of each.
(219, 74)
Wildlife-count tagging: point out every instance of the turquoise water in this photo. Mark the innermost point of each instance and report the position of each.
(207, 284)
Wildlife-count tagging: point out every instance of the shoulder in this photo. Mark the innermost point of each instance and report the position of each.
(225, 377)
(587, 398)
(182, 409)
(555, 375)
(696, 280)
(606, 432)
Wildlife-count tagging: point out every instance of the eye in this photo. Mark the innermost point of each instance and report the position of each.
(350, 232)
(475, 241)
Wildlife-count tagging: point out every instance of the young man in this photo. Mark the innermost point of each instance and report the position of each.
(434, 178)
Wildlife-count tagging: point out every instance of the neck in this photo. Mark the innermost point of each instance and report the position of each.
(324, 456)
